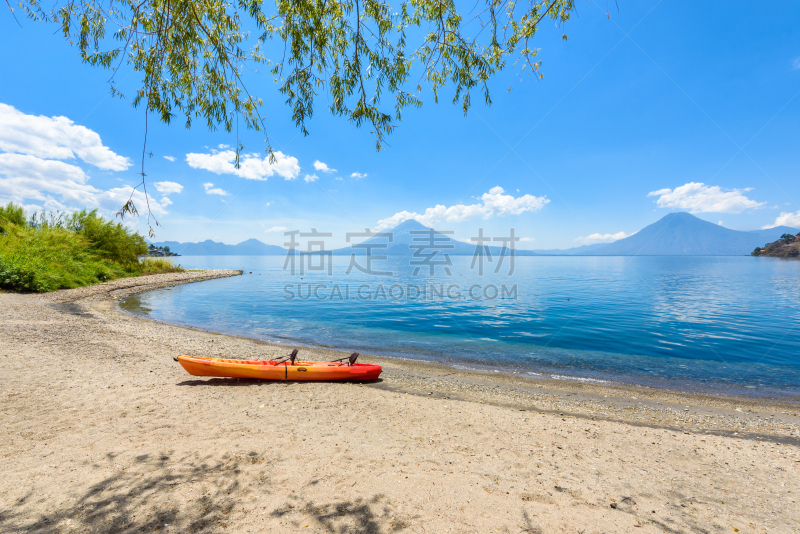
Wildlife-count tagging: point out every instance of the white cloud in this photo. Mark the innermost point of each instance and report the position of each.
(118, 196)
(211, 190)
(659, 192)
(318, 165)
(27, 208)
(29, 177)
(796, 63)
(508, 205)
(223, 147)
(785, 219)
(55, 185)
(311, 178)
(339, 178)
(275, 229)
(358, 175)
(251, 166)
(493, 203)
(700, 198)
(26, 173)
(268, 204)
(55, 138)
(167, 188)
(526, 239)
(169, 158)
(601, 238)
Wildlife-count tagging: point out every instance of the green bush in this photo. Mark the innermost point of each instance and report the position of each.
(11, 215)
(109, 239)
(35, 259)
(59, 251)
(159, 265)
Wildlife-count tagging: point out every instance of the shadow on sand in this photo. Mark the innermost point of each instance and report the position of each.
(232, 382)
(193, 494)
(143, 497)
(362, 516)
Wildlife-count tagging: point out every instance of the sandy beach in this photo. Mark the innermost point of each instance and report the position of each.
(103, 432)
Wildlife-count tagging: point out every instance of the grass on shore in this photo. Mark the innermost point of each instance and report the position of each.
(159, 265)
(51, 251)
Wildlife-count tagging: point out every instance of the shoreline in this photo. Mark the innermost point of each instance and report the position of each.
(108, 433)
(588, 389)
(791, 403)
(744, 408)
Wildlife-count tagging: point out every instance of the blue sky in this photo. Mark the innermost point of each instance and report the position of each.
(664, 106)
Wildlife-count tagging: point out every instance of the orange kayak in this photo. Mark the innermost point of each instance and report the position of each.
(279, 370)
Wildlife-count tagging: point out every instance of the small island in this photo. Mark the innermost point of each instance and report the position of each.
(788, 246)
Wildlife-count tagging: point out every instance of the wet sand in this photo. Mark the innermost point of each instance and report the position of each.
(104, 432)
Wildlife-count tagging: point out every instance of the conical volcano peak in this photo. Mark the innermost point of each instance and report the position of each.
(680, 215)
(405, 226)
(683, 234)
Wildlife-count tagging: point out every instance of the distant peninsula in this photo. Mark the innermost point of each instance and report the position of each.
(788, 246)
(159, 252)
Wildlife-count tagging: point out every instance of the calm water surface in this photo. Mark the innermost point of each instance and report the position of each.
(702, 324)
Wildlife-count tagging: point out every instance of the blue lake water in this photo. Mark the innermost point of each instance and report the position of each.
(727, 325)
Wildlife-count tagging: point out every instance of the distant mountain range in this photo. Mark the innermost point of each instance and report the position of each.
(676, 234)
(251, 247)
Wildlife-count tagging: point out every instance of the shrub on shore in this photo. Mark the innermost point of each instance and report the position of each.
(159, 265)
(11, 215)
(36, 260)
(53, 251)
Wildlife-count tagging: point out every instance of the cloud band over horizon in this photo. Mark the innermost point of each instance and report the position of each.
(495, 202)
(700, 198)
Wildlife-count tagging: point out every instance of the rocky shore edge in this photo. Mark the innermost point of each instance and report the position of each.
(125, 287)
